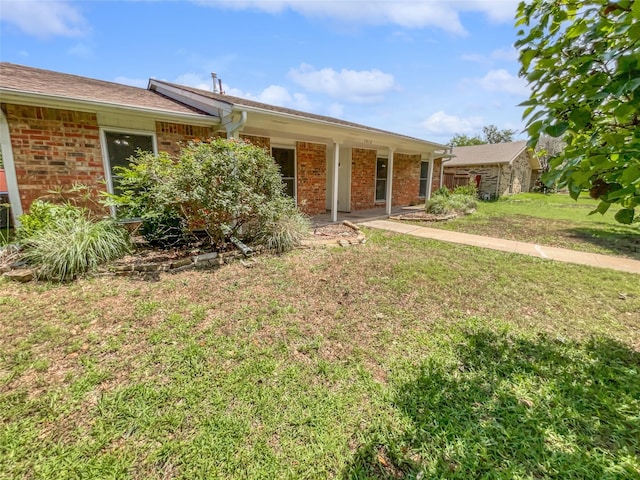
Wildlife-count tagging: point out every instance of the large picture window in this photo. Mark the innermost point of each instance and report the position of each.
(285, 158)
(424, 173)
(382, 165)
(120, 146)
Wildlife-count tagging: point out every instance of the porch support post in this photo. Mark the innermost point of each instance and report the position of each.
(390, 182)
(10, 169)
(334, 182)
(432, 159)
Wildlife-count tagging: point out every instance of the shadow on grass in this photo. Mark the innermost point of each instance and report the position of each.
(619, 241)
(505, 407)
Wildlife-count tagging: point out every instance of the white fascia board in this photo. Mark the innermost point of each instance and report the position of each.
(378, 139)
(201, 102)
(59, 101)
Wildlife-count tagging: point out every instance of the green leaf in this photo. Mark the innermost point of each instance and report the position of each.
(557, 130)
(601, 208)
(625, 216)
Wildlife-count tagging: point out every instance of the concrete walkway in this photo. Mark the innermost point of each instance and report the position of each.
(550, 253)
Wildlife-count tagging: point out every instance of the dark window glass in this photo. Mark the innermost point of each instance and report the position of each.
(121, 147)
(285, 158)
(381, 179)
(424, 171)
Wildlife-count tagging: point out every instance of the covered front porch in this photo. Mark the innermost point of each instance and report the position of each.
(360, 216)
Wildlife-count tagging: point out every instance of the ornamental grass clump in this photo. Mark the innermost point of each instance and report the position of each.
(69, 246)
(445, 203)
(282, 227)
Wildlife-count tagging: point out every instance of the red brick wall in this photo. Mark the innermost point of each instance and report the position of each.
(311, 173)
(53, 148)
(264, 142)
(171, 135)
(363, 178)
(406, 179)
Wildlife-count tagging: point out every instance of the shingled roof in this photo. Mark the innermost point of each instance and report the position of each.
(21, 79)
(243, 102)
(489, 154)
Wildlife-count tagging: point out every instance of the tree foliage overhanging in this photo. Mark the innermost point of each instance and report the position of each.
(582, 60)
(490, 134)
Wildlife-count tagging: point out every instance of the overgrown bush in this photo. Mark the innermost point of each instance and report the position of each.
(73, 244)
(468, 189)
(448, 203)
(217, 189)
(44, 215)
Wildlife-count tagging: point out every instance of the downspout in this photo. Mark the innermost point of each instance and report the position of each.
(498, 181)
(449, 152)
(233, 128)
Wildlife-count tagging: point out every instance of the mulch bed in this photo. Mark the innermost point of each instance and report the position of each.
(423, 216)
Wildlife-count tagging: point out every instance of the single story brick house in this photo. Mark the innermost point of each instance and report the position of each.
(57, 129)
(497, 168)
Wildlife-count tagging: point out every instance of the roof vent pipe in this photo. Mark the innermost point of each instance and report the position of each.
(214, 78)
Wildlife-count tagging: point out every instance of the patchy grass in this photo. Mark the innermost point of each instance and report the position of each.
(555, 220)
(383, 361)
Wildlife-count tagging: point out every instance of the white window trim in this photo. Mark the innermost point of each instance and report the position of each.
(105, 152)
(375, 179)
(295, 166)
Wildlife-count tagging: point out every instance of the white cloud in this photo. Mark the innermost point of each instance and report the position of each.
(503, 82)
(440, 123)
(508, 54)
(274, 95)
(195, 80)
(335, 110)
(134, 82)
(44, 18)
(363, 86)
(443, 14)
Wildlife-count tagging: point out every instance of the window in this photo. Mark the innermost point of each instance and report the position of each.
(120, 146)
(381, 179)
(424, 173)
(286, 159)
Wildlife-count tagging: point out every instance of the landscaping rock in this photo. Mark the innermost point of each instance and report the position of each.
(205, 257)
(22, 275)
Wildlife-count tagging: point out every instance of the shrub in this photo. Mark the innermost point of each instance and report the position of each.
(219, 189)
(468, 189)
(445, 205)
(70, 245)
(43, 215)
(443, 191)
(282, 226)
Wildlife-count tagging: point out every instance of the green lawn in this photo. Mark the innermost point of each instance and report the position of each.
(401, 358)
(555, 220)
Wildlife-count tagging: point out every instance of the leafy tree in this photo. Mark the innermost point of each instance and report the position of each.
(581, 60)
(547, 148)
(493, 134)
(462, 140)
(490, 134)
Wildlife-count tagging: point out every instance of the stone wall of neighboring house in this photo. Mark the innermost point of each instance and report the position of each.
(55, 148)
(363, 178)
(52, 148)
(171, 135)
(435, 181)
(311, 175)
(520, 174)
(406, 179)
(488, 175)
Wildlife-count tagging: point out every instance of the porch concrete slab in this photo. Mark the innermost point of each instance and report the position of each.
(511, 246)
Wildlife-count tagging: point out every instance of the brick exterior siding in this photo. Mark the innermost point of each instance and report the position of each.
(311, 177)
(406, 179)
(435, 181)
(57, 148)
(171, 135)
(363, 178)
(264, 142)
(53, 147)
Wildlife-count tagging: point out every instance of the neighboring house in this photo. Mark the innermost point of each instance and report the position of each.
(57, 129)
(497, 168)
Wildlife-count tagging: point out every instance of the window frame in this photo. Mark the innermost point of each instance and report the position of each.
(375, 184)
(426, 180)
(108, 177)
(295, 167)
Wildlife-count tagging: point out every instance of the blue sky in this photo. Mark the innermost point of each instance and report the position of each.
(427, 68)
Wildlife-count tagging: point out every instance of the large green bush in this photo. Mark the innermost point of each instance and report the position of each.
(448, 203)
(43, 215)
(213, 190)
